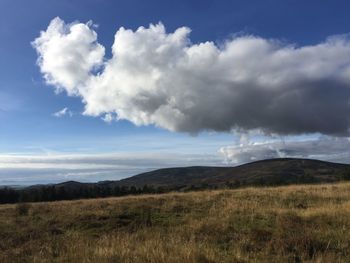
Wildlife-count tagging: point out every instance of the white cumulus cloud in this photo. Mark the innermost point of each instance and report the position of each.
(68, 54)
(160, 78)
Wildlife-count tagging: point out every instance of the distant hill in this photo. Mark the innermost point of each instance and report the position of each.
(270, 172)
(266, 172)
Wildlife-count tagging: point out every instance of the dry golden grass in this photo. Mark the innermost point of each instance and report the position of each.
(282, 224)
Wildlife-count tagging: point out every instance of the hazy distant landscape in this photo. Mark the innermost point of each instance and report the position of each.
(273, 172)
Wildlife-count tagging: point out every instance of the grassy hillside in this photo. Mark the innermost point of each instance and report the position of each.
(282, 224)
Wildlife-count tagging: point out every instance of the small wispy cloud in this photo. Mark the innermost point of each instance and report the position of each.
(64, 112)
(108, 118)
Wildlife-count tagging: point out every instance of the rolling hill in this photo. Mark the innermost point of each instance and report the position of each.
(271, 172)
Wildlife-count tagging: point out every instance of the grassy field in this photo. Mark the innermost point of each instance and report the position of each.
(282, 224)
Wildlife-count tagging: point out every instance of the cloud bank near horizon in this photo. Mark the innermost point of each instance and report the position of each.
(323, 148)
(162, 79)
(26, 169)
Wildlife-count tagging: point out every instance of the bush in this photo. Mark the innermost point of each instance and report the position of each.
(22, 209)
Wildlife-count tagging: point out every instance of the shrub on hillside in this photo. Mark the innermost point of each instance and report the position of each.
(22, 209)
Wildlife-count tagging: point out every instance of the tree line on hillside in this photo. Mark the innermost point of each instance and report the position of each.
(57, 193)
(10, 195)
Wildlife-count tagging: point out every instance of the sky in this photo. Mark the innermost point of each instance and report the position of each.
(101, 90)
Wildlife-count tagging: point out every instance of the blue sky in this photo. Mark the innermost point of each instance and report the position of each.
(28, 126)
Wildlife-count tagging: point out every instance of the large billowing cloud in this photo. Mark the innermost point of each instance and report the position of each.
(160, 78)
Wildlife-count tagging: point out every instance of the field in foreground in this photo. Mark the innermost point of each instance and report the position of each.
(282, 224)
